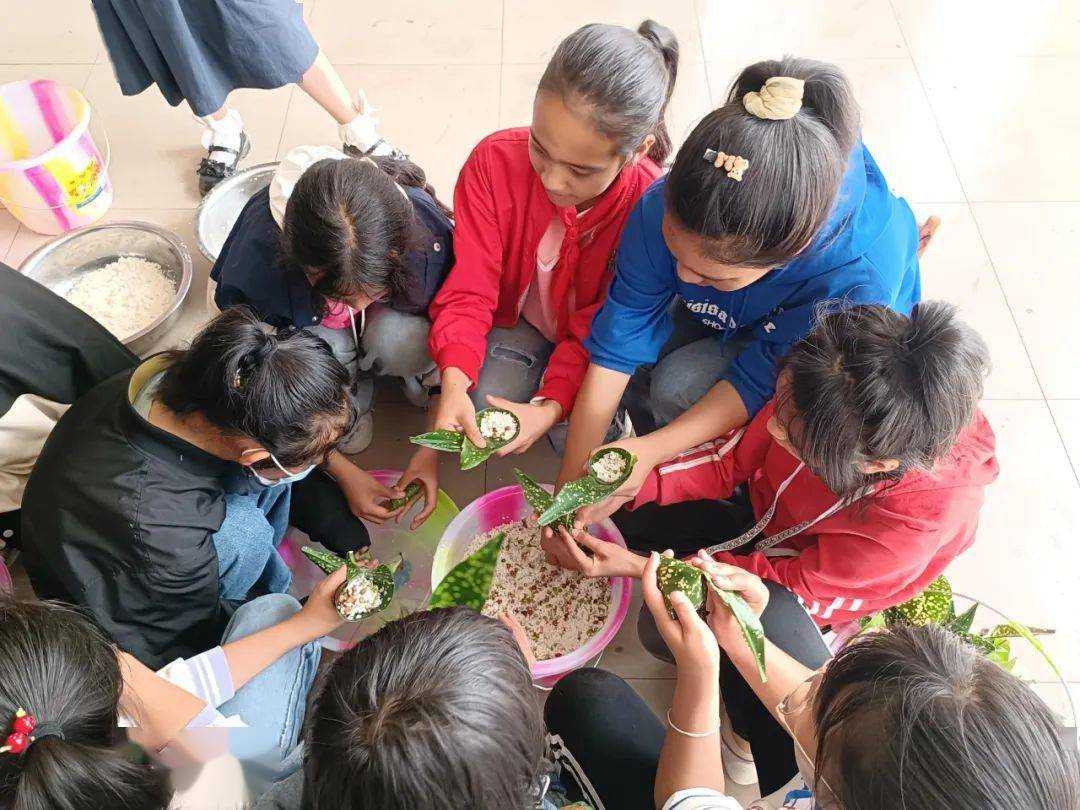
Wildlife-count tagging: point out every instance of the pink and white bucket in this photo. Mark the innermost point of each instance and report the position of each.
(504, 506)
(53, 176)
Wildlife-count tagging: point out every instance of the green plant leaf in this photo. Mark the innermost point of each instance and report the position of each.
(540, 499)
(449, 441)
(473, 456)
(380, 578)
(932, 606)
(675, 575)
(325, 560)
(1025, 633)
(1008, 630)
(411, 491)
(1001, 654)
(629, 458)
(584, 491)
(469, 582)
(961, 625)
(874, 622)
(749, 623)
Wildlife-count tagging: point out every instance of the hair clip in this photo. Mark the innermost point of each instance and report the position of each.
(20, 738)
(734, 165)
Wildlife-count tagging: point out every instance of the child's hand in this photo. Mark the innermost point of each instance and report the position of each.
(423, 468)
(647, 458)
(536, 421)
(607, 560)
(520, 637)
(690, 639)
(363, 493)
(319, 614)
(593, 513)
(734, 579)
(455, 410)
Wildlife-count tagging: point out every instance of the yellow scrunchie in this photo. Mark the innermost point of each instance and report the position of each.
(777, 100)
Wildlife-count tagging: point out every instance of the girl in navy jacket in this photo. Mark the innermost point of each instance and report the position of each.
(772, 207)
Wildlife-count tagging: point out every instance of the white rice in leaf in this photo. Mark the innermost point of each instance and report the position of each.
(498, 425)
(609, 467)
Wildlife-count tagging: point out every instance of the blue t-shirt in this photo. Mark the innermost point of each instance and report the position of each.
(865, 254)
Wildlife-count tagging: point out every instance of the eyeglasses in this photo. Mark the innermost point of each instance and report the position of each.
(794, 712)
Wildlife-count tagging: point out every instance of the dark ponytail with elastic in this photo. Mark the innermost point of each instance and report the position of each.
(59, 667)
(621, 78)
(285, 389)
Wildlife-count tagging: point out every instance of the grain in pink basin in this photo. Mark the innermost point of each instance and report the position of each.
(507, 505)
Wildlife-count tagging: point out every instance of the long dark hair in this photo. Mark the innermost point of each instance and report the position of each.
(348, 221)
(868, 383)
(433, 711)
(622, 78)
(914, 717)
(59, 667)
(284, 389)
(796, 165)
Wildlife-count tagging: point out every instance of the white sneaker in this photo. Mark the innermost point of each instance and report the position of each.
(357, 441)
(360, 137)
(738, 766)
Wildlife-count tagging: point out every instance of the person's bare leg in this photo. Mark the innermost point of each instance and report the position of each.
(324, 85)
(926, 233)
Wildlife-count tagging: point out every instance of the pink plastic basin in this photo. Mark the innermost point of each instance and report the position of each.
(504, 506)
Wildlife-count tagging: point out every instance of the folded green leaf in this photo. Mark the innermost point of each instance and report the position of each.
(411, 491)
(473, 456)
(540, 499)
(612, 466)
(469, 582)
(366, 591)
(449, 441)
(588, 490)
(326, 560)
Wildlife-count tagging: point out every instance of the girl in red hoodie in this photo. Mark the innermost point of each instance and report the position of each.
(864, 474)
(538, 214)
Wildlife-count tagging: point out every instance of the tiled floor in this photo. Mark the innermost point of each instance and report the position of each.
(966, 107)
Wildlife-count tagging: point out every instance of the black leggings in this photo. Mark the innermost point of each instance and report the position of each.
(319, 509)
(788, 627)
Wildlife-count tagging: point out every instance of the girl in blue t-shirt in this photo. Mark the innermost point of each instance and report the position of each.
(773, 205)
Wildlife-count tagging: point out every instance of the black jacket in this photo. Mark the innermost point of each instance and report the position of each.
(252, 272)
(119, 517)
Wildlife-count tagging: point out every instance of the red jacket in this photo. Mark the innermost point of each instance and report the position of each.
(501, 211)
(867, 556)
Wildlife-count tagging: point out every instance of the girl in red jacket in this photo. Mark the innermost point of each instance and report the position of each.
(864, 474)
(538, 214)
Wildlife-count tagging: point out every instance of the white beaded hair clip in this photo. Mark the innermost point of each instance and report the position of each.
(734, 165)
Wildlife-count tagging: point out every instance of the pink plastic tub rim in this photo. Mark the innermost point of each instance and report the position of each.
(507, 504)
(77, 130)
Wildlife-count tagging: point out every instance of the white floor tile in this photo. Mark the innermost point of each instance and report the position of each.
(957, 268)
(49, 31)
(1067, 417)
(1034, 248)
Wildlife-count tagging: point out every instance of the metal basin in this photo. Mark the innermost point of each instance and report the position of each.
(58, 264)
(218, 211)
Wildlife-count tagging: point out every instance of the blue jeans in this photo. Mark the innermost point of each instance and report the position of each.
(273, 703)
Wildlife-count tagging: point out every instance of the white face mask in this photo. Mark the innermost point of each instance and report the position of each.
(290, 478)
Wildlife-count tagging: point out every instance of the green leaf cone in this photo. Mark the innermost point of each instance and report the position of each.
(469, 582)
(411, 491)
(584, 491)
(540, 499)
(449, 441)
(473, 456)
(675, 575)
(326, 560)
(381, 578)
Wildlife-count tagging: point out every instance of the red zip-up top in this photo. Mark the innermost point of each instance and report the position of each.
(854, 561)
(500, 214)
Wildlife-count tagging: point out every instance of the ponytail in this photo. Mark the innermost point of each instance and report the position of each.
(284, 389)
(59, 667)
(621, 79)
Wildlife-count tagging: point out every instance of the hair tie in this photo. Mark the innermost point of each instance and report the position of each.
(777, 100)
(734, 165)
(26, 730)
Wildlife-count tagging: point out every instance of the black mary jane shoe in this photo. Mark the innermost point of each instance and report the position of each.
(213, 171)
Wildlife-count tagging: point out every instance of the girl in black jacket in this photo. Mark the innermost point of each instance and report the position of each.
(161, 495)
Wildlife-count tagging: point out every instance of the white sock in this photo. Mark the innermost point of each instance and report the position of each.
(224, 132)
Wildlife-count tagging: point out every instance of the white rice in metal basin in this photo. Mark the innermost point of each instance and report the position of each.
(558, 609)
(124, 296)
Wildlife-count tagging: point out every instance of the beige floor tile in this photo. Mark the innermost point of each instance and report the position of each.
(49, 31)
(1025, 558)
(978, 30)
(913, 157)
(1067, 417)
(69, 75)
(179, 221)
(1034, 248)
(409, 32)
(435, 113)
(533, 30)
(1009, 134)
(656, 692)
(956, 268)
(155, 147)
(625, 656)
(738, 34)
(9, 226)
(689, 103)
(540, 463)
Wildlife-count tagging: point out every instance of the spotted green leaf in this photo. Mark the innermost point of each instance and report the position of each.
(932, 606)
(326, 560)
(540, 499)
(588, 490)
(411, 491)
(749, 623)
(469, 582)
(473, 456)
(675, 575)
(380, 578)
(449, 441)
